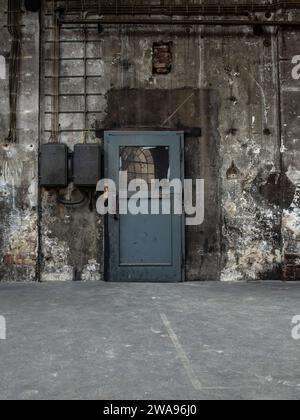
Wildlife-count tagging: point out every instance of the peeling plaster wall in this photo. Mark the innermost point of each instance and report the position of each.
(18, 162)
(230, 90)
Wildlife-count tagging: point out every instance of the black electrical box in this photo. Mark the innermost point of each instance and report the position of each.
(87, 165)
(54, 165)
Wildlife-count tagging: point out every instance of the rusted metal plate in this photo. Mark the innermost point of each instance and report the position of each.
(162, 57)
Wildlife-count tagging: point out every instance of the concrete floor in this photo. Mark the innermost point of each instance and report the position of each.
(149, 341)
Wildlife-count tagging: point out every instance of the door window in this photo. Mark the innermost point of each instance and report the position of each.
(147, 163)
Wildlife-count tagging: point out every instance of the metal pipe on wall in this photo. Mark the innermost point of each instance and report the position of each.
(179, 22)
(185, 8)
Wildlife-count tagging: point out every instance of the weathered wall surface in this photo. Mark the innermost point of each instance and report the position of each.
(18, 162)
(290, 147)
(233, 93)
(131, 97)
(243, 69)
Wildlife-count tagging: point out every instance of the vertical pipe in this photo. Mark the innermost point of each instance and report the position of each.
(39, 198)
(280, 157)
(85, 85)
(56, 74)
(14, 28)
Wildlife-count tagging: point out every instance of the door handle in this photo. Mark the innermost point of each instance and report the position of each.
(116, 215)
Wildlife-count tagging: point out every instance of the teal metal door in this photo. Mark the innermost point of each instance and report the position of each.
(146, 246)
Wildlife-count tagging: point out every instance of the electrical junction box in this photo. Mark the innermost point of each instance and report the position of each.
(87, 165)
(54, 165)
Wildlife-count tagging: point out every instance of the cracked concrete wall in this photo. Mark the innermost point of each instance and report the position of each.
(232, 92)
(18, 162)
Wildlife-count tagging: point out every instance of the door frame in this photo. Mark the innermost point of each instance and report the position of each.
(136, 132)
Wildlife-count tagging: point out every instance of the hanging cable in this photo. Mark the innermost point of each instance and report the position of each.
(14, 28)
